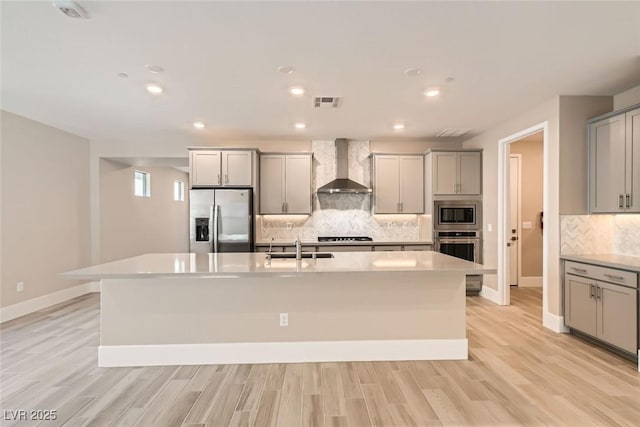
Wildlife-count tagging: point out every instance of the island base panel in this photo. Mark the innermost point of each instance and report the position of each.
(374, 316)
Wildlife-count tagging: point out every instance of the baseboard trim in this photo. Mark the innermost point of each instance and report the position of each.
(281, 352)
(491, 294)
(554, 322)
(23, 308)
(530, 282)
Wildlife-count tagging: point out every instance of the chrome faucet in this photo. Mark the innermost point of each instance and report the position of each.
(270, 244)
(298, 248)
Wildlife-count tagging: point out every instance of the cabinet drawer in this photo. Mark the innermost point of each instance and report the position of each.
(605, 274)
(387, 248)
(418, 247)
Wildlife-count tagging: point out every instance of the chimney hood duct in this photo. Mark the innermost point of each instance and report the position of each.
(343, 184)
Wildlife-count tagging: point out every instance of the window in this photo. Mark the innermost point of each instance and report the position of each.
(142, 184)
(178, 191)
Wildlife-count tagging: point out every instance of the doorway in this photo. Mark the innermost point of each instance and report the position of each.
(525, 211)
(532, 222)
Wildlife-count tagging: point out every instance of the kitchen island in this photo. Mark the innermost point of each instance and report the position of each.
(186, 309)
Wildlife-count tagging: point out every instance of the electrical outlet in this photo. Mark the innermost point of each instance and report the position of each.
(289, 226)
(20, 287)
(284, 319)
(489, 228)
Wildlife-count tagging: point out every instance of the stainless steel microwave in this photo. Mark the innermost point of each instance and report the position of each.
(457, 215)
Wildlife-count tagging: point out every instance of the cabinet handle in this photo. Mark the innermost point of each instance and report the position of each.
(628, 197)
(620, 201)
(592, 291)
(598, 292)
(219, 182)
(226, 178)
(283, 207)
(611, 276)
(579, 270)
(401, 207)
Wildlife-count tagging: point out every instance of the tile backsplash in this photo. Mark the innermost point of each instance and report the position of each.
(343, 214)
(617, 234)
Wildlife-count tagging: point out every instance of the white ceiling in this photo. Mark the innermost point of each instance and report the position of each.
(221, 60)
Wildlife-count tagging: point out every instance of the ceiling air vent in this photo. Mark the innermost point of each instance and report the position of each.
(451, 133)
(326, 101)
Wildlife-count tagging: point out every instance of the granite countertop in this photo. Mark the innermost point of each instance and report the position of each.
(350, 243)
(238, 265)
(623, 262)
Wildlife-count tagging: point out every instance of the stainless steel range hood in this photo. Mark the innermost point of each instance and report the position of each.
(342, 184)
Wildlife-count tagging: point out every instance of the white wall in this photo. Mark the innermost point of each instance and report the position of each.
(627, 98)
(132, 225)
(547, 111)
(45, 207)
(566, 141)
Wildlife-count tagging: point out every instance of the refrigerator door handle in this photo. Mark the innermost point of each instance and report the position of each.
(214, 212)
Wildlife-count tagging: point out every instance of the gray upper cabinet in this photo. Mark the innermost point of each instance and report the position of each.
(614, 163)
(219, 168)
(456, 172)
(285, 184)
(398, 184)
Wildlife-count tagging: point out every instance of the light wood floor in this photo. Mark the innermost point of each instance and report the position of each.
(517, 374)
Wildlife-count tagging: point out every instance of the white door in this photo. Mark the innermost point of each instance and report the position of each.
(386, 182)
(514, 208)
(236, 168)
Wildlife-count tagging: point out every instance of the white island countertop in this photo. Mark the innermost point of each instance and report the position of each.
(255, 264)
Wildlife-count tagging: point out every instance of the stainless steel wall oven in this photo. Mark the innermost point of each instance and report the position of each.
(458, 232)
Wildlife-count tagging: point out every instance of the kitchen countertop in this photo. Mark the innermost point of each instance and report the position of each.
(343, 243)
(237, 265)
(624, 262)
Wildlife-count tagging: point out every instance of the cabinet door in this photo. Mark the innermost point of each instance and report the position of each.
(580, 304)
(298, 184)
(236, 168)
(633, 160)
(386, 183)
(470, 173)
(444, 173)
(607, 165)
(272, 184)
(412, 184)
(205, 168)
(617, 311)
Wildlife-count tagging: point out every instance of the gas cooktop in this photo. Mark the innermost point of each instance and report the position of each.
(344, 239)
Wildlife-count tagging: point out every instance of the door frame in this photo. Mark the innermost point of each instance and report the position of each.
(504, 293)
(519, 216)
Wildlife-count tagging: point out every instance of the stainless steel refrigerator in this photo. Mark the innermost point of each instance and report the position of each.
(221, 220)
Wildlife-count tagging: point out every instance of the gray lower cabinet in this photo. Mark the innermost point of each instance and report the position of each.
(602, 309)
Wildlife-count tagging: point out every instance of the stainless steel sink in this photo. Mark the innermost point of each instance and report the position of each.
(306, 255)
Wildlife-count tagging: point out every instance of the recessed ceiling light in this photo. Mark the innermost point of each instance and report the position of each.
(300, 125)
(449, 80)
(297, 90)
(413, 71)
(154, 68)
(285, 69)
(154, 89)
(198, 125)
(432, 92)
(123, 75)
(398, 126)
